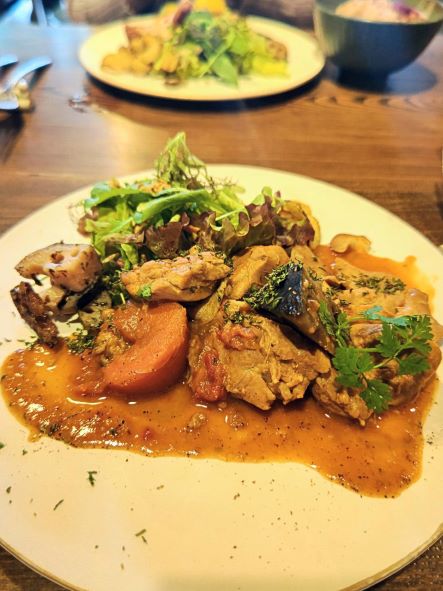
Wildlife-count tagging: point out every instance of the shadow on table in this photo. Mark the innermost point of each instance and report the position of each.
(11, 124)
(414, 79)
(195, 106)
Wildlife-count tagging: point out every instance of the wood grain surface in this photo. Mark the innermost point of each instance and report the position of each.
(384, 143)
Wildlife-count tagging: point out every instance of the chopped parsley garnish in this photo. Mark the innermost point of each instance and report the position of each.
(403, 339)
(380, 283)
(393, 285)
(8, 490)
(145, 292)
(112, 283)
(57, 505)
(80, 340)
(91, 477)
(141, 535)
(269, 296)
(239, 317)
(2, 445)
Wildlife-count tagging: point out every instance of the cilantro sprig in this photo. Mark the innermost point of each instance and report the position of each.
(145, 292)
(353, 365)
(337, 327)
(403, 339)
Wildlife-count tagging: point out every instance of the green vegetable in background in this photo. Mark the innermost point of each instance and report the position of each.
(224, 46)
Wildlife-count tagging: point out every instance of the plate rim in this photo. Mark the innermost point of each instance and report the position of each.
(358, 586)
(102, 77)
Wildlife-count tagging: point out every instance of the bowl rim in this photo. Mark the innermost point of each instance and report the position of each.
(322, 6)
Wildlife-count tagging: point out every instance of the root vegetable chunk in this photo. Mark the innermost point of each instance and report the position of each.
(156, 358)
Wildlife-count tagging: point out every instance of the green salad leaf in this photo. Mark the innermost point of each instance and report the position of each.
(181, 206)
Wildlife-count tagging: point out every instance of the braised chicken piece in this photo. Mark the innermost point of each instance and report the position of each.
(407, 387)
(306, 256)
(34, 312)
(347, 401)
(250, 268)
(289, 291)
(72, 267)
(357, 291)
(339, 400)
(183, 279)
(251, 357)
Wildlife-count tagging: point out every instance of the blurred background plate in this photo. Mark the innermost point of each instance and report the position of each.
(305, 62)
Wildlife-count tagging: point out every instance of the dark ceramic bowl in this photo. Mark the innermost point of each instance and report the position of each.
(372, 48)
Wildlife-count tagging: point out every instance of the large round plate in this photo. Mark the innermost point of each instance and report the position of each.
(210, 524)
(305, 62)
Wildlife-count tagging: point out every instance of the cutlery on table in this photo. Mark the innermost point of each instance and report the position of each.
(8, 59)
(9, 99)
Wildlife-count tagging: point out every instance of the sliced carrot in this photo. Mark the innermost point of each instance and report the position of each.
(157, 358)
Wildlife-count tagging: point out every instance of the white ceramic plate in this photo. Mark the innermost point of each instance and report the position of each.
(210, 525)
(305, 62)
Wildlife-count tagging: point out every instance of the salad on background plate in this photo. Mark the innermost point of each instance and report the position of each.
(191, 43)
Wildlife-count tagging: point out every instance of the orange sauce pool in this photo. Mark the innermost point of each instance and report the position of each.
(381, 459)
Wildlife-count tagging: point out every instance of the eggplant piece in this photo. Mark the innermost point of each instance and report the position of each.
(293, 294)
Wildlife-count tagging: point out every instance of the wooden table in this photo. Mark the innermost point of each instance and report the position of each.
(384, 144)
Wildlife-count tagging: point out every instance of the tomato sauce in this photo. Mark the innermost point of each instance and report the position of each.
(40, 386)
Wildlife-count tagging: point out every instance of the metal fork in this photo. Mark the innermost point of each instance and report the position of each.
(8, 98)
(8, 60)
